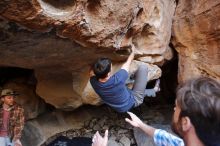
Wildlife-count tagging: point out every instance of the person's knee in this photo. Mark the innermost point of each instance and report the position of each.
(143, 67)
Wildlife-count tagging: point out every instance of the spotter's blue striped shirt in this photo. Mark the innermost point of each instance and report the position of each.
(163, 138)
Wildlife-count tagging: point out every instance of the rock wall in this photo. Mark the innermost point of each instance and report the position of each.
(103, 24)
(196, 32)
(60, 39)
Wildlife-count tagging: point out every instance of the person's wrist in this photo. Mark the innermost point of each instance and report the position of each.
(140, 124)
(17, 141)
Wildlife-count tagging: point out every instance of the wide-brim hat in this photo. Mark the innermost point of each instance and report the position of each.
(6, 92)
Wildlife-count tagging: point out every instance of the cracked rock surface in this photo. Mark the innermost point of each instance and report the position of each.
(196, 32)
(58, 40)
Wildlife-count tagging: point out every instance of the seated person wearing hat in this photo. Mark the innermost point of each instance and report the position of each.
(11, 119)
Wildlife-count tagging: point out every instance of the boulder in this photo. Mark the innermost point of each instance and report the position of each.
(60, 40)
(103, 24)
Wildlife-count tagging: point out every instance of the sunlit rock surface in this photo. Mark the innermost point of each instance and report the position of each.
(99, 23)
(60, 39)
(196, 31)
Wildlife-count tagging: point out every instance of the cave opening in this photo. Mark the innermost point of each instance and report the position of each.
(8, 74)
(23, 81)
(169, 80)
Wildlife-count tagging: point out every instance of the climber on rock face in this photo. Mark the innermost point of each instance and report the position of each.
(112, 88)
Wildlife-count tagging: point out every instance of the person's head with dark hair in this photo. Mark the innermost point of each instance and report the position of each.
(102, 67)
(198, 111)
